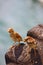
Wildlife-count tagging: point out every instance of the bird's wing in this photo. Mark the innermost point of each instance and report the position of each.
(18, 35)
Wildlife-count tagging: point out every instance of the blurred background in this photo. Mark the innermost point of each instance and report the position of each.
(21, 15)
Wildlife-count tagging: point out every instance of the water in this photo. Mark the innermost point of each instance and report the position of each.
(21, 15)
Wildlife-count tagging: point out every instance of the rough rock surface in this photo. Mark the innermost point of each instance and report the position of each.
(37, 33)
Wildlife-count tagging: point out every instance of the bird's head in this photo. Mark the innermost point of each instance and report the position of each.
(29, 39)
(10, 30)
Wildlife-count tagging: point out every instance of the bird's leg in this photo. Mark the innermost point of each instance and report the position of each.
(15, 41)
(18, 44)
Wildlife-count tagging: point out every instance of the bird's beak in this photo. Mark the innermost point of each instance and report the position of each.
(9, 30)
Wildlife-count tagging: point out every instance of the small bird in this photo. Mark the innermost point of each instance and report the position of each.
(14, 35)
(31, 41)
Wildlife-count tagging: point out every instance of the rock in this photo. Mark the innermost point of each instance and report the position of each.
(23, 54)
(37, 33)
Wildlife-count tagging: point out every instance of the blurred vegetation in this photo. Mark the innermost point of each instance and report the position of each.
(35, 1)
